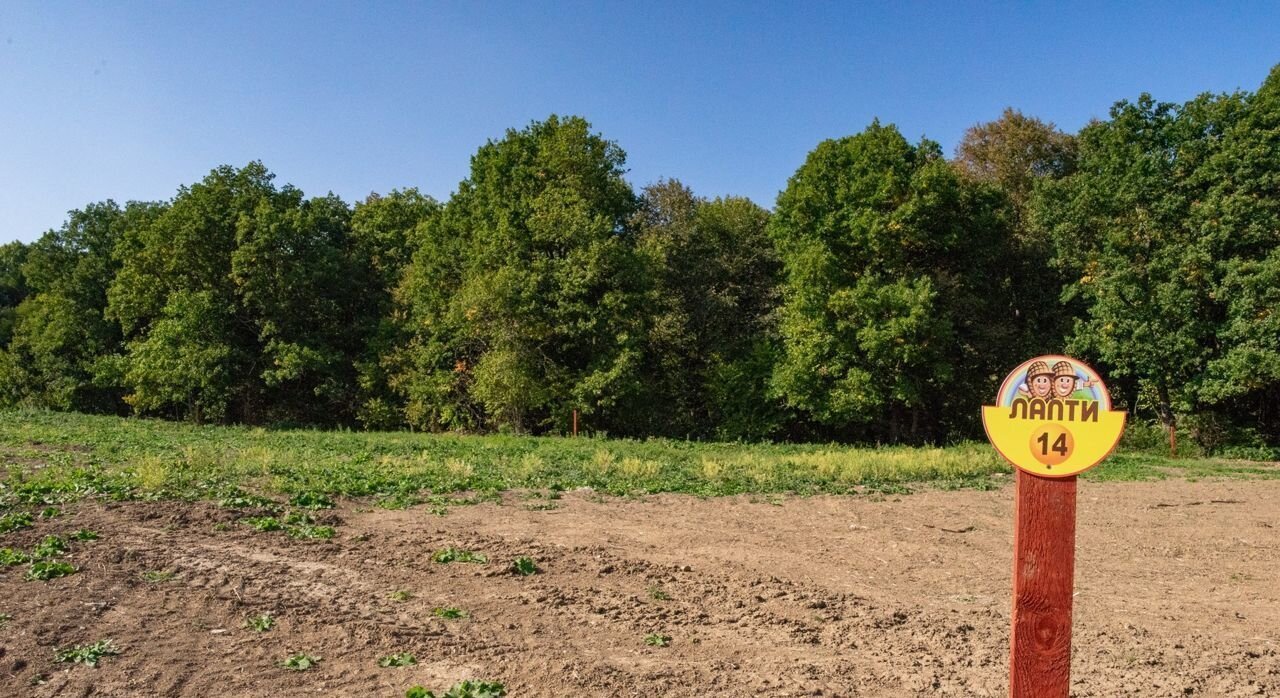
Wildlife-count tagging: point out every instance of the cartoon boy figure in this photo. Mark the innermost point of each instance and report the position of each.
(1065, 381)
(1039, 382)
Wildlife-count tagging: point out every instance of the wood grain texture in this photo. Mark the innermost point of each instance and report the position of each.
(1044, 552)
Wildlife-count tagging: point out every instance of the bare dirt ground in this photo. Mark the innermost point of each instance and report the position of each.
(1177, 594)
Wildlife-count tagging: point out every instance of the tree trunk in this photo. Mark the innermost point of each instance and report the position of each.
(1167, 418)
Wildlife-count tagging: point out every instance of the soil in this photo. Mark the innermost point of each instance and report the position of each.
(1176, 585)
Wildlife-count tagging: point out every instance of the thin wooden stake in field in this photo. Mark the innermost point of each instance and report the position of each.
(1044, 545)
(1052, 420)
(575, 424)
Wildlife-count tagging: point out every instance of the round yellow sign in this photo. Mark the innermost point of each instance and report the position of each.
(1053, 417)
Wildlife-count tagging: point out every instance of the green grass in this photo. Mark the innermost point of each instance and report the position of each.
(310, 532)
(448, 612)
(524, 566)
(15, 521)
(87, 654)
(157, 576)
(260, 623)
(12, 556)
(45, 570)
(50, 546)
(300, 662)
(74, 456)
(448, 555)
(466, 689)
(398, 659)
(263, 523)
(657, 640)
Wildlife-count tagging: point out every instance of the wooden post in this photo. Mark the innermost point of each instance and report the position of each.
(1044, 550)
(575, 424)
(1173, 441)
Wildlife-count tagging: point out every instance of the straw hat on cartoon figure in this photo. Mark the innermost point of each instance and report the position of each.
(1039, 382)
(1065, 382)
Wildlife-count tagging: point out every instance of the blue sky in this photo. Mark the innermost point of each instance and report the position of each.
(129, 100)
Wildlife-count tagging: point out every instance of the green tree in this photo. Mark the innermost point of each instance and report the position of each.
(1014, 152)
(173, 271)
(238, 303)
(524, 295)
(713, 276)
(1238, 227)
(385, 231)
(291, 268)
(62, 348)
(892, 322)
(13, 287)
(1123, 236)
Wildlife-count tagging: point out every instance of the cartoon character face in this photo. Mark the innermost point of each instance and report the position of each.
(1041, 386)
(1063, 386)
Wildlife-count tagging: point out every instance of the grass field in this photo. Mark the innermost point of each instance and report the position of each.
(56, 457)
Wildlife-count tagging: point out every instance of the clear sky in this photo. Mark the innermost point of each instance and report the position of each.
(129, 100)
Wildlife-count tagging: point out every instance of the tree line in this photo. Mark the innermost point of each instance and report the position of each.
(881, 300)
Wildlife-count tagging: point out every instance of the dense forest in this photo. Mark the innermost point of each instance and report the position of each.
(882, 299)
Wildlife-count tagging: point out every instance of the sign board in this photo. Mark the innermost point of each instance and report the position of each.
(1053, 417)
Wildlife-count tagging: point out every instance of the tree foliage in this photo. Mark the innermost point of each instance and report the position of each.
(523, 297)
(893, 287)
(238, 302)
(712, 288)
(62, 347)
(881, 300)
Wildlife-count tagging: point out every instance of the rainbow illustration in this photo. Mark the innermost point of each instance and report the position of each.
(1086, 374)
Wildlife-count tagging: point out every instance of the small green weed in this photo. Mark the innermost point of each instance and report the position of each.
(14, 521)
(658, 594)
(45, 570)
(89, 655)
(524, 566)
(448, 612)
(311, 500)
(398, 659)
(238, 499)
(157, 576)
(300, 662)
(83, 534)
(541, 506)
(51, 546)
(260, 623)
(398, 501)
(4, 619)
(657, 640)
(466, 689)
(50, 512)
(263, 523)
(299, 517)
(451, 554)
(310, 532)
(12, 556)
(401, 595)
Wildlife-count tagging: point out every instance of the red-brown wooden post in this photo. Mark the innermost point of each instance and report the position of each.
(1044, 551)
(575, 423)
